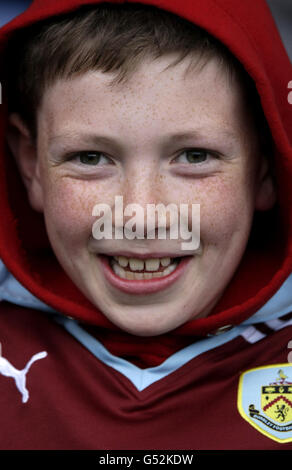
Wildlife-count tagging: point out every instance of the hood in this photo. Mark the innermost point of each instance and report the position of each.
(248, 30)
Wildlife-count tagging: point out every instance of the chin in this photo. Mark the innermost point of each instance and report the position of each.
(141, 326)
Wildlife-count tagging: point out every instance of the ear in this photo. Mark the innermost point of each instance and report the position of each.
(24, 151)
(266, 191)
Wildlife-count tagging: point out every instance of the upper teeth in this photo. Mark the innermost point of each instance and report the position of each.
(150, 264)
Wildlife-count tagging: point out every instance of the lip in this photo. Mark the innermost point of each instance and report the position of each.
(143, 286)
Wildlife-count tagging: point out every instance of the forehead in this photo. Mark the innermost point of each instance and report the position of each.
(156, 98)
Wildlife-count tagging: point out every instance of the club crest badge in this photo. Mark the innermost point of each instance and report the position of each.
(265, 400)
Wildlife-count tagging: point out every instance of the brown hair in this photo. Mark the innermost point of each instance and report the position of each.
(107, 37)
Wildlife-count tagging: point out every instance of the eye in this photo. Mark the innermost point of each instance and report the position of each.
(194, 156)
(91, 158)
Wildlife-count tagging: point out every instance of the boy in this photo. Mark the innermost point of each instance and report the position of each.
(133, 101)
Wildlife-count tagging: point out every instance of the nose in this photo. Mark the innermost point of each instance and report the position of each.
(143, 194)
(142, 185)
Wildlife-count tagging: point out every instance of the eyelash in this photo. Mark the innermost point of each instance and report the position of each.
(77, 155)
(207, 153)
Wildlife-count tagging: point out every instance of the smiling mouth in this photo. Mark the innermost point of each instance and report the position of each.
(142, 276)
(143, 269)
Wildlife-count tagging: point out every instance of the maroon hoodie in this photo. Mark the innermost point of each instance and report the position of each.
(82, 401)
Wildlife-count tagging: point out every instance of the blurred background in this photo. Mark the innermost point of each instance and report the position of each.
(11, 8)
(281, 10)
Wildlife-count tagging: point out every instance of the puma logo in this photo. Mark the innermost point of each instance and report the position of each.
(8, 370)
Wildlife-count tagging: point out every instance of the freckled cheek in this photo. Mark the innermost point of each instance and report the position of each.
(225, 208)
(68, 211)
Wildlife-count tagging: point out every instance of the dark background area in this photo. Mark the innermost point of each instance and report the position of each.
(281, 10)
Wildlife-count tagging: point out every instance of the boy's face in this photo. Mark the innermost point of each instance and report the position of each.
(163, 137)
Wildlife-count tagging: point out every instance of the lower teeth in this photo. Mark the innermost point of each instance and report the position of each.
(119, 271)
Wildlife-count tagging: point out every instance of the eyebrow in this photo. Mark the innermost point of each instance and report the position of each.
(199, 134)
(170, 139)
(86, 137)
